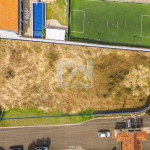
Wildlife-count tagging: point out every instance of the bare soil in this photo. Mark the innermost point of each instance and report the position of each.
(53, 22)
(28, 78)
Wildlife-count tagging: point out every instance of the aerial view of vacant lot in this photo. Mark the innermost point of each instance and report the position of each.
(28, 78)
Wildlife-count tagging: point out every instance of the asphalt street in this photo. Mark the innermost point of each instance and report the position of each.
(79, 136)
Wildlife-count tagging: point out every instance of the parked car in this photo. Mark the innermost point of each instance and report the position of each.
(16, 148)
(41, 148)
(103, 133)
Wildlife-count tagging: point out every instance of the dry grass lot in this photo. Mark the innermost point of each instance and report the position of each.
(121, 79)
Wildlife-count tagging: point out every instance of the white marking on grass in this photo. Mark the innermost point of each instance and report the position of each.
(141, 24)
(141, 35)
(125, 21)
(107, 23)
(83, 20)
(145, 36)
(121, 1)
(117, 24)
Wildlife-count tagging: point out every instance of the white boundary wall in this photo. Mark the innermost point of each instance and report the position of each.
(55, 34)
(77, 44)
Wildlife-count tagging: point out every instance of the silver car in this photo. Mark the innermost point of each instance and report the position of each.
(103, 133)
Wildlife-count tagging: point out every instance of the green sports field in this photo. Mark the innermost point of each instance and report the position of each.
(110, 22)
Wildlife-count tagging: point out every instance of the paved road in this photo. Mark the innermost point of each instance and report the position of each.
(81, 136)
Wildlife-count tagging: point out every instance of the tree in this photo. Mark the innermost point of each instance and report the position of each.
(43, 32)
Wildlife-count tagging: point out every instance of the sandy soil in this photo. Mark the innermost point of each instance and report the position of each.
(53, 22)
(28, 78)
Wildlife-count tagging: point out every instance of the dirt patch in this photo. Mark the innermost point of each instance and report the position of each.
(52, 22)
(57, 10)
(28, 78)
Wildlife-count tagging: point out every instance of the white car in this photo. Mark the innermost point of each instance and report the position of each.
(103, 133)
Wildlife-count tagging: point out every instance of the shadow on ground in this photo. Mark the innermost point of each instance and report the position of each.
(114, 148)
(1, 148)
(40, 142)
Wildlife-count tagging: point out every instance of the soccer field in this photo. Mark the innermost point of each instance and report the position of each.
(110, 22)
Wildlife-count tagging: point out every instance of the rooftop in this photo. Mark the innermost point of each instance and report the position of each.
(9, 15)
(131, 141)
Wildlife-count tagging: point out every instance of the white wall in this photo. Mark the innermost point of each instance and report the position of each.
(55, 34)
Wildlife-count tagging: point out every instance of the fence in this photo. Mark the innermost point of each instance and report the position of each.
(122, 113)
(80, 115)
(69, 10)
(71, 43)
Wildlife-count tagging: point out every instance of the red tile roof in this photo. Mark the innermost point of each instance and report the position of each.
(132, 141)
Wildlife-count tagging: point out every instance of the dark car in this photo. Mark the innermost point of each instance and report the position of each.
(16, 148)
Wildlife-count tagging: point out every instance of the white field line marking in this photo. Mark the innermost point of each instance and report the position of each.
(117, 24)
(145, 36)
(141, 35)
(107, 23)
(121, 2)
(83, 20)
(141, 24)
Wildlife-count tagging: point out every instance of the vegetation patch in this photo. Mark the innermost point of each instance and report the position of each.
(29, 78)
(110, 22)
(56, 10)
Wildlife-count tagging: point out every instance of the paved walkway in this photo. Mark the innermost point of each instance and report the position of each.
(27, 28)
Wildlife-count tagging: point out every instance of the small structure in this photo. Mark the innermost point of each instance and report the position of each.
(11, 15)
(55, 34)
(131, 141)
